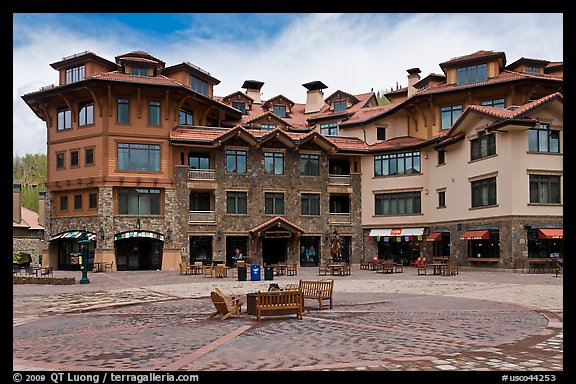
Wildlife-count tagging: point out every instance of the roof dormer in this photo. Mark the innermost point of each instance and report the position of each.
(81, 66)
(281, 105)
(526, 65)
(240, 101)
(198, 79)
(340, 101)
(474, 68)
(139, 63)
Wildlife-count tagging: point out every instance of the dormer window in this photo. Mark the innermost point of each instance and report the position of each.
(240, 105)
(74, 74)
(280, 110)
(530, 69)
(340, 105)
(136, 71)
(198, 85)
(471, 74)
(268, 126)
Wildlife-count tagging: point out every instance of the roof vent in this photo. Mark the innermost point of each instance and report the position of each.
(512, 107)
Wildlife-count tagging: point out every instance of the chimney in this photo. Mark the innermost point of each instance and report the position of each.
(253, 90)
(314, 96)
(42, 208)
(16, 203)
(413, 78)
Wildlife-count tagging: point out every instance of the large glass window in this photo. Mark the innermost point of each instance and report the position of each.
(544, 189)
(401, 203)
(330, 129)
(449, 115)
(200, 201)
(236, 161)
(60, 161)
(198, 160)
(186, 117)
(280, 110)
(496, 103)
(236, 203)
(274, 203)
(135, 71)
(483, 146)
(74, 74)
(138, 157)
(64, 119)
(543, 139)
(154, 113)
(86, 114)
(138, 201)
(309, 165)
(310, 204)
(471, 74)
(340, 105)
(240, 105)
(274, 163)
(484, 192)
(123, 111)
(397, 164)
(198, 85)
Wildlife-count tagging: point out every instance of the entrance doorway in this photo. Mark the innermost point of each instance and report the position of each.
(138, 253)
(201, 249)
(274, 250)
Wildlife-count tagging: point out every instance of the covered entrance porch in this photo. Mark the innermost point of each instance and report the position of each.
(276, 240)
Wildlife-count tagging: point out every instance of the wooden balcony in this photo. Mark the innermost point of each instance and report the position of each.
(201, 217)
(338, 179)
(202, 174)
(339, 218)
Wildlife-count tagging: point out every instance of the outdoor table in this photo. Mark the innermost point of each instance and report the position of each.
(280, 269)
(221, 271)
(99, 265)
(438, 268)
(336, 269)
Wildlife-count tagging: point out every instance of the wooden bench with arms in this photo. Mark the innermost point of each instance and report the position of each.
(108, 266)
(320, 290)
(281, 301)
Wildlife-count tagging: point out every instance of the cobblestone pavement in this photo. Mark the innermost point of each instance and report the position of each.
(148, 320)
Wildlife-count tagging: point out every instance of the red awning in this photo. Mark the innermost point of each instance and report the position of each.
(434, 236)
(551, 233)
(476, 235)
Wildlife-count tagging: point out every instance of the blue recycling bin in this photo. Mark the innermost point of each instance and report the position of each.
(255, 272)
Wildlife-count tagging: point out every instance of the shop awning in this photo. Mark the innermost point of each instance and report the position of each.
(551, 233)
(434, 236)
(397, 232)
(129, 234)
(476, 235)
(73, 235)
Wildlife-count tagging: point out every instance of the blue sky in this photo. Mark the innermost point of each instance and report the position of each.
(353, 52)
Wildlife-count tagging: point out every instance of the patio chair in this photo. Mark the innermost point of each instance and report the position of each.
(184, 268)
(47, 271)
(225, 305)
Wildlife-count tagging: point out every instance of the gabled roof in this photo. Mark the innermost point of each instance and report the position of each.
(341, 94)
(399, 143)
(238, 94)
(268, 116)
(278, 134)
(277, 222)
(366, 115)
(139, 55)
(28, 219)
(473, 57)
(82, 57)
(124, 77)
(279, 98)
(194, 70)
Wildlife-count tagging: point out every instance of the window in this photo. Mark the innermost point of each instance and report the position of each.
(380, 133)
(186, 117)
(449, 115)
(530, 69)
(89, 156)
(274, 163)
(123, 111)
(63, 203)
(274, 203)
(280, 110)
(329, 129)
(310, 204)
(138, 201)
(484, 192)
(397, 164)
(441, 199)
(268, 126)
(64, 119)
(471, 74)
(236, 203)
(86, 114)
(543, 139)
(483, 146)
(309, 165)
(138, 157)
(198, 85)
(402, 203)
(198, 160)
(441, 157)
(135, 71)
(199, 201)
(92, 200)
(240, 105)
(74, 161)
(340, 105)
(236, 161)
(544, 189)
(77, 202)
(60, 162)
(154, 113)
(496, 103)
(74, 74)
(339, 203)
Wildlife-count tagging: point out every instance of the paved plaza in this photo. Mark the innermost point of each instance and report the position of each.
(152, 320)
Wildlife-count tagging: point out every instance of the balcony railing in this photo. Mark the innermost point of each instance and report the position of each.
(339, 218)
(339, 179)
(201, 174)
(201, 217)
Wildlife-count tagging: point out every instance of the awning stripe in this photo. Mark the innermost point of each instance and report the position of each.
(396, 232)
(129, 234)
(475, 235)
(551, 233)
(73, 235)
(434, 236)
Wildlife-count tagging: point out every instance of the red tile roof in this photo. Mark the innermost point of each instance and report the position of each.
(473, 56)
(398, 143)
(278, 220)
(157, 80)
(366, 114)
(280, 97)
(29, 219)
(504, 113)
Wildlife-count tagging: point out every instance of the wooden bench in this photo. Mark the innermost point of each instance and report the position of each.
(480, 260)
(385, 266)
(280, 302)
(108, 266)
(440, 259)
(292, 269)
(320, 290)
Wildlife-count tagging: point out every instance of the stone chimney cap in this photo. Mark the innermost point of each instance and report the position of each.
(413, 71)
(252, 84)
(315, 85)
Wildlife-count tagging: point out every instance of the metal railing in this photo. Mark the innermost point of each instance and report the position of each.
(201, 174)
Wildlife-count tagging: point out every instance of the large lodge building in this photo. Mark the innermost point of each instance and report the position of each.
(466, 163)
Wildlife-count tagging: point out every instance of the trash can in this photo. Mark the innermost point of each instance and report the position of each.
(269, 272)
(241, 273)
(255, 272)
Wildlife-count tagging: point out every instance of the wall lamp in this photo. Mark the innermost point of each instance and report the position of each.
(219, 235)
(101, 233)
(40, 234)
(169, 233)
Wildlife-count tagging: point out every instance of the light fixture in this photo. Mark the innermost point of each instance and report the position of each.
(219, 235)
(101, 233)
(40, 234)
(138, 223)
(169, 233)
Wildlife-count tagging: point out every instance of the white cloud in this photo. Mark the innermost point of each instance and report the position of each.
(351, 52)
